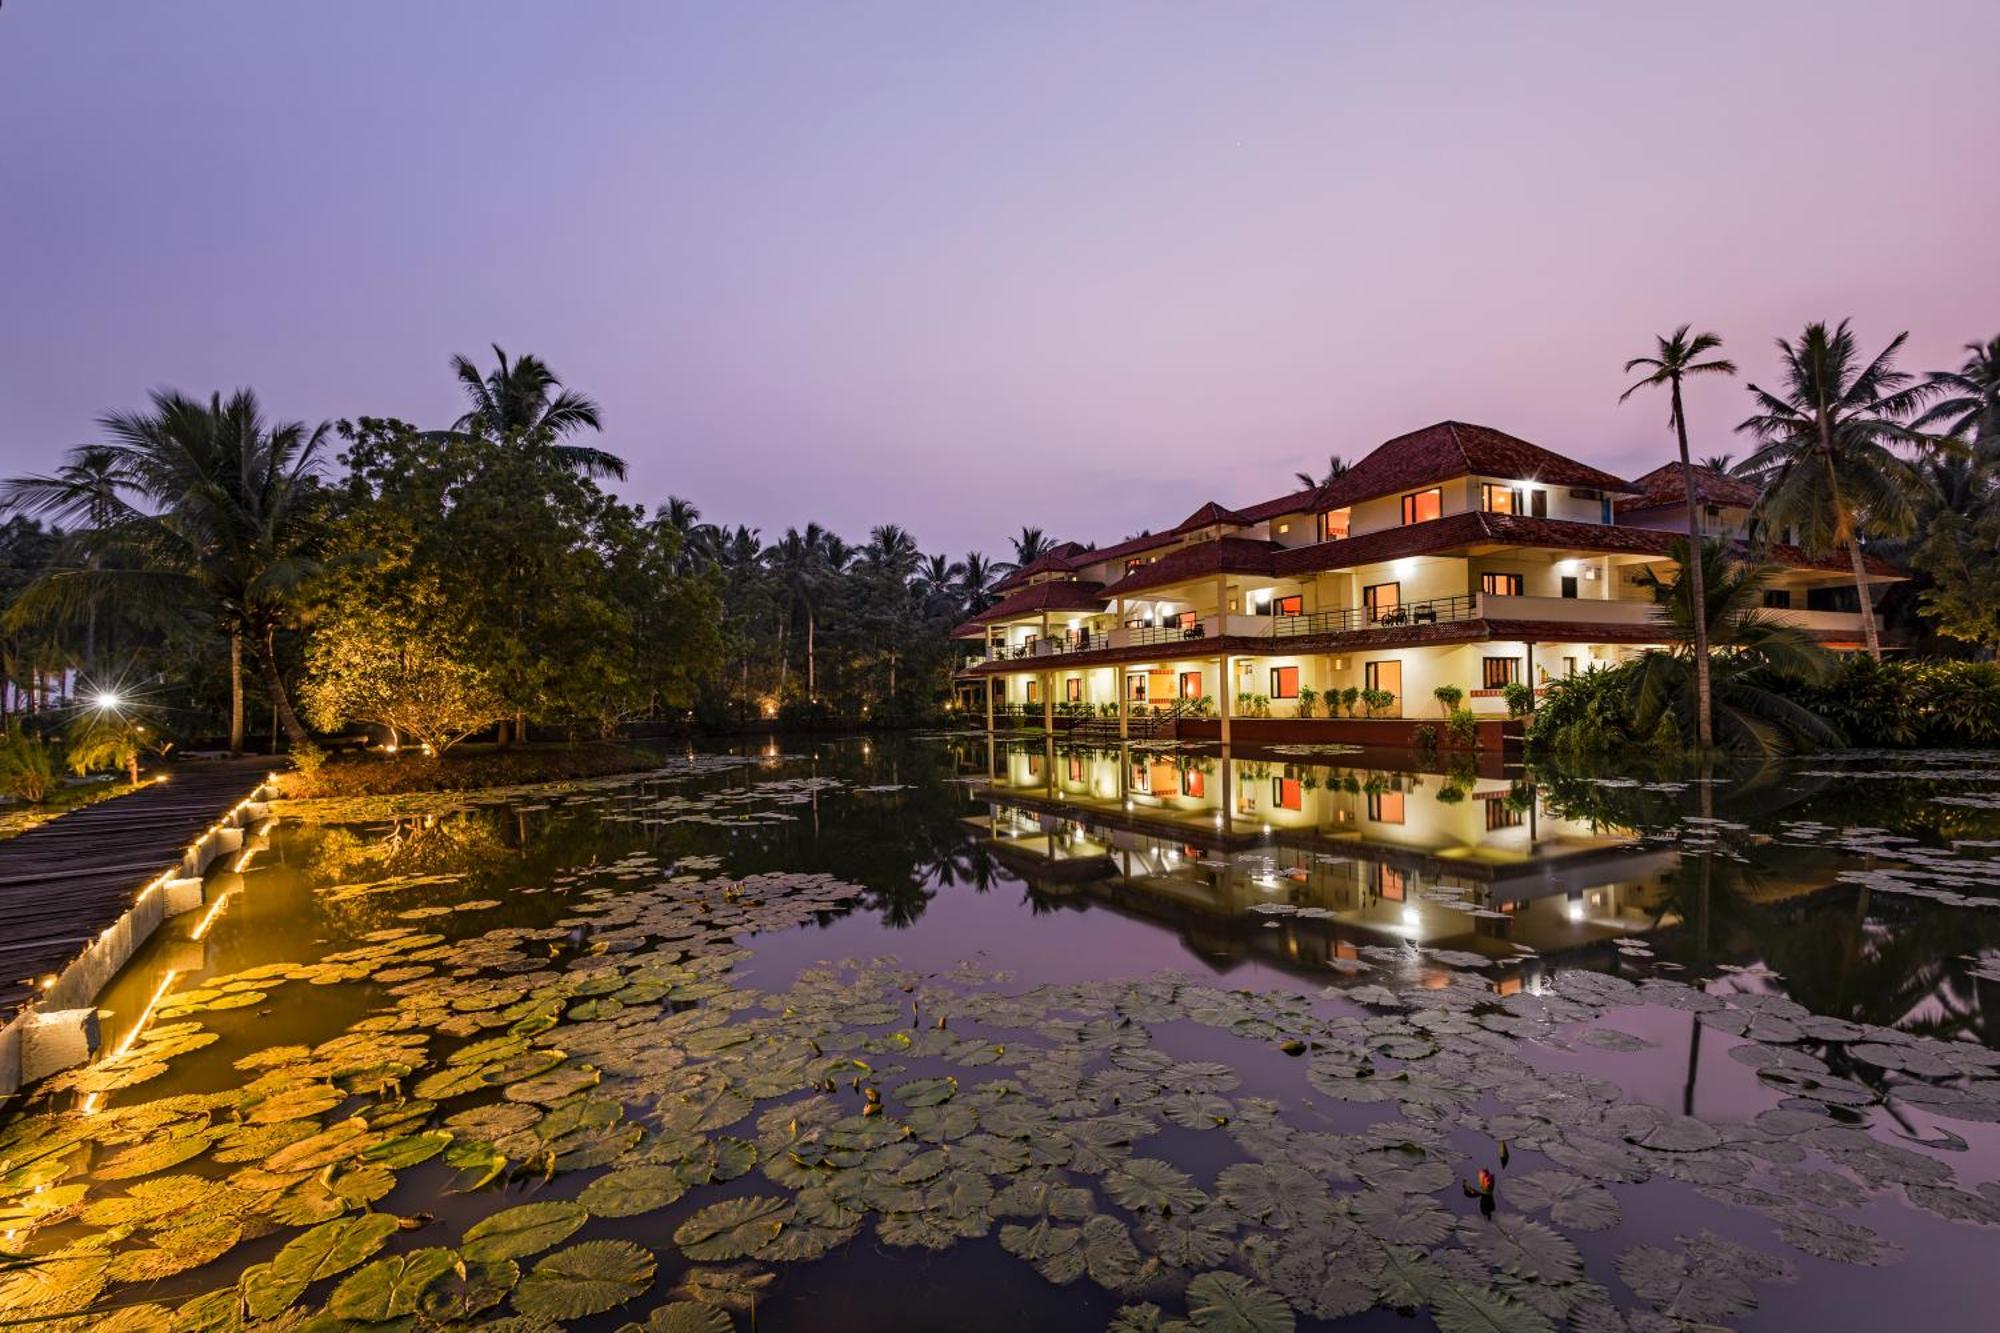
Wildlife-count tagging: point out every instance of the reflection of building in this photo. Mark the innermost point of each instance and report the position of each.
(1453, 556)
(1368, 856)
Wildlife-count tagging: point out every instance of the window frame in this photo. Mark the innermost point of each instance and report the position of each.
(1185, 677)
(1287, 794)
(1073, 690)
(1516, 500)
(1510, 675)
(1513, 585)
(1411, 507)
(1278, 674)
(1369, 603)
(1295, 601)
(1388, 807)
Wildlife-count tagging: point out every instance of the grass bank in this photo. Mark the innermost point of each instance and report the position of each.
(17, 818)
(466, 768)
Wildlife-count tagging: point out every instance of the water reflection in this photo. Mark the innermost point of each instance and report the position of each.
(1309, 862)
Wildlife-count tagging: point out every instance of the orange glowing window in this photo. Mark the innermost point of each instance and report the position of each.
(1285, 682)
(1295, 605)
(1287, 794)
(1333, 525)
(1395, 884)
(1073, 690)
(1076, 768)
(1194, 783)
(1190, 684)
(1423, 506)
(1385, 807)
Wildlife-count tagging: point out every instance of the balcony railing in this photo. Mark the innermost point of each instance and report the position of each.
(1434, 611)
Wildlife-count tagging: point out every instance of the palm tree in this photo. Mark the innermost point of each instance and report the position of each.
(1970, 407)
(522, 398)
(940, 581)
(84, 492)
(1826, 456)
(802, 561)
(1334, 467)
(975, 583)
(1031, 545)
(700, 544)
(1674, 358)
(224, 512)
(1752, 651)
(1719, 463)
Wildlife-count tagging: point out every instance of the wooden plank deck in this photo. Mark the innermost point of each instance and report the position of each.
(63, 883)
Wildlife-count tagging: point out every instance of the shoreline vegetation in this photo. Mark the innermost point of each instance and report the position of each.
(469, 768)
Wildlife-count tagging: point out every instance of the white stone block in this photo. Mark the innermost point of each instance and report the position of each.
(182, 895)
(55, 1040)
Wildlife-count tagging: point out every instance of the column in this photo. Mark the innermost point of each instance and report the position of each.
(1222, 690)
(989, 703)
(1049, 703)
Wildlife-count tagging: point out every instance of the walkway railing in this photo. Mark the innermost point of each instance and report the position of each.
(1434, 611)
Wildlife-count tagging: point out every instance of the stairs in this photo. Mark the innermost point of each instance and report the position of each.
(1163, 721)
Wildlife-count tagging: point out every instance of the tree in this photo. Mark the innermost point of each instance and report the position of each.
(1722, 463)
(101, 738)
(1960, 534)
(975, 583)
(801, 562)
(1753, 653)
(1335, 466)
(1675, 357)
(1031, 545)
(523, 399)
(1826, 454)
(1969, 405)
(385, 657)
(216, 509)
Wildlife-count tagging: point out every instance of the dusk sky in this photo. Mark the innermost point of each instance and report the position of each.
(968, 266)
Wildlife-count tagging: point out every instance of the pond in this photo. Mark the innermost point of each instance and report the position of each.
(926, 1033)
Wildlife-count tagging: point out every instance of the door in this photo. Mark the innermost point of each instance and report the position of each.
(1385, 676)
(1160, 687)
(1569, 585)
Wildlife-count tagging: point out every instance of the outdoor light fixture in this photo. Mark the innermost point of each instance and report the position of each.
(105, 701)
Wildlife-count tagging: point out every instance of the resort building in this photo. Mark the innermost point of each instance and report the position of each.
(1456, 555)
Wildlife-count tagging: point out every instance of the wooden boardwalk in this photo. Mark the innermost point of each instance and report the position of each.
(63, 883)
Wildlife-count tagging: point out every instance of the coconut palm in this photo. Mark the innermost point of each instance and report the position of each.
(216, 509)
(699, 543)
(1031, 545)
(975, 583)
(1335, 465)
(1970, 406)
(802, 563)
(1752, 653)
(1826, 453)
(522, 398)
(1719, 463)
(83, 493)
(1675, 358)
(939, 581)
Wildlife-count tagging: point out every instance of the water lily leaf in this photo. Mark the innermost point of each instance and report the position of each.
(1524, 1248)
(143, 1159)
(296, 1103)
(1462, 1309)
(632, 1191)
(53, 1286)
(734, 1228)
(409, 1149)
(684, 1317)
(1229, 1303)
(585, 1279)
(1197, 1110)
(324, 1251)
(390, 1288)
(1147, 1184)
(524, 1229)
(1570, 1200)
(469, 1289)
(927, 1091)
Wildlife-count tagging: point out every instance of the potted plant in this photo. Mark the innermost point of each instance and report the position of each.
(1464, 727)
(1520, 698)
(1308, 698)
(1349, 697)
(1449, 697)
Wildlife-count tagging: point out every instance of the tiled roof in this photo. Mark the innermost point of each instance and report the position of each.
(1056, 560)
(1475, 528)
(1298, 502)
(1456, 449)
(1663, 487)
(1060, 595)
(1225, 555)
(1208, 516)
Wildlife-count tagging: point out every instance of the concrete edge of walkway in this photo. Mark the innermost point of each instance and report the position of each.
(58, 1029)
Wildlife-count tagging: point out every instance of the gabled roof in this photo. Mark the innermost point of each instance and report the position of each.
(1225, 555)
(1298, 502)
(1208, 516)
(1130, 546)
(1058, 595)
(1058, 559)
(1663, 487)
(1456, 449)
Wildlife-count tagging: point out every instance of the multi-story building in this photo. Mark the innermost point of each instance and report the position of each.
(1454, 555)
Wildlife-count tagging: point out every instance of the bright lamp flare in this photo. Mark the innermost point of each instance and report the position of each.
(105, 701)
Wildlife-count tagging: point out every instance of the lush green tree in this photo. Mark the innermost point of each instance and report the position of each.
(1030, 545)
(1958, 554)
(378, 655)
(1968, 407)
(1827, 450)
(216, 509)
(1676, 357)
(523, 400)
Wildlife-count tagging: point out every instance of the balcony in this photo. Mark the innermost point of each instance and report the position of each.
(1432, 611)
(1580, 611)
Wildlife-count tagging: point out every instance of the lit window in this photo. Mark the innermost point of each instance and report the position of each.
(1501, 815)
(1285, 682)
(1193, 784)
(1287, 794)
(1073, 688)
(1381, 598)
(1284, 527)
(1423, 506)
(1500, 499)
(1395, 884)
(1501, 585)
(1190, 684)
(1385, 807)
(1500, 672)
(1333, 525)
(1295, 605)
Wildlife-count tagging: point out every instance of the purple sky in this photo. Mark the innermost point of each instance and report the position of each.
(964, 266)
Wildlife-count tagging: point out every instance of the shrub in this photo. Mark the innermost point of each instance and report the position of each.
(1903, 703)
(1520, 698)
(1308, 697)
(1376, 700)
(1450, 794)
(1348, 698)
(308, 759)
(27, 768)
(1463, 726)
(1449, 697)
(1427, 738)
